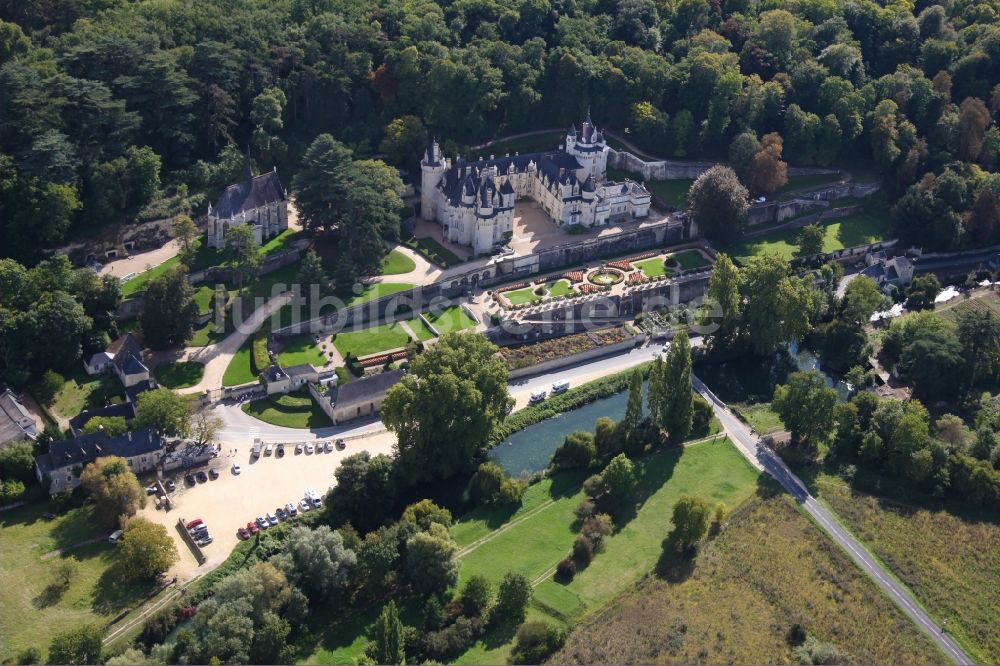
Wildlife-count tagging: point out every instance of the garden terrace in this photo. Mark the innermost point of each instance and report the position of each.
(524, 356)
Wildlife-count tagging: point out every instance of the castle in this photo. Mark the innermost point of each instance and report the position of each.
(260, 201)
(474, 201)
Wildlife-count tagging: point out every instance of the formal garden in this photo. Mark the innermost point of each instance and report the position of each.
(523, 356)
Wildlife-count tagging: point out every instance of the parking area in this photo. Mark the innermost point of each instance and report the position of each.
(230, 501)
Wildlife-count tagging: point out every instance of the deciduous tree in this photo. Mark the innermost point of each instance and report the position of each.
(114, 489)
(718, 203)
(145, 550)
(806, 407)
(690, 518)
(164, 412)
(168, 316)
(677, 411)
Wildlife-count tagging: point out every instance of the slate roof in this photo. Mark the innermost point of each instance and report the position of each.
(15, 421)
(87, 448)
(132, 392)
(123, 409)
(300, 370)
(467, 177)
(365, 390)
(252, 193)
(273, 373)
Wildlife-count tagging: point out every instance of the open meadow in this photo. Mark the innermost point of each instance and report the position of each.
(768, 570)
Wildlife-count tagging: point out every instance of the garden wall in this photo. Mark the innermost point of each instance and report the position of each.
(821, 216)
(683, 170)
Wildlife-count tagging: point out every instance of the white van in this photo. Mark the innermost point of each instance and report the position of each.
(116, 536)
(537, 396)
(560, 387)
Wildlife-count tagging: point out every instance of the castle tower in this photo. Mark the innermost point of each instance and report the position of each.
(432, 168)
(590, 150)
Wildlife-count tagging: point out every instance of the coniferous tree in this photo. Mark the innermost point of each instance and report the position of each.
(388, 645)
(655, 399)
(633, 411)
(678, 407)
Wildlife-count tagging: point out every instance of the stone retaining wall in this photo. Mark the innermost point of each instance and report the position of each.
(564, 361)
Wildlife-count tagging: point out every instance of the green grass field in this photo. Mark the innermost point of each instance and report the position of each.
(298, 350)
(420, 329)
(530, 144)
(203, 298)
(378, 290)
(541, 532)
(32, 611)
(294, 410)
(179, 374)
(760, 417)
(81, 391)
(950, 562)
(434, 252)
(808, 182)
(689, 259)
(205, 335)
(651, 267)
(450, 319)
(520, 296)
(869, 226)
(371, 340)
(560, 288)
(982, 301)
(239, 371)
(397, 263)
(768, 569)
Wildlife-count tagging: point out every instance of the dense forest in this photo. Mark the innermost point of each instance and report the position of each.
(111, 109)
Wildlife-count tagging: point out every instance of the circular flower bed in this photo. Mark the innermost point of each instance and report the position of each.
(605, 277)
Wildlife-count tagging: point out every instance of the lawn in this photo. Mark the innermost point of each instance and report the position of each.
(767, 570)
(371, 340)
(378, 290)
(529, 144)
(397, 263)
(434, 252)
(299, 350)
(450, 319)
(868, 226)
(560, 288)
(32, 612)
(808, 182)
(520, 296)
(295, 410)
(653, 268)
(239, 370)
(282, 241)
(420, 329)
(205, 335)
(180, 374)
(203, 298)
(81, 391)
(951, 563)
(689, 259)
(673, 192)
(541, 532)
(760, 417)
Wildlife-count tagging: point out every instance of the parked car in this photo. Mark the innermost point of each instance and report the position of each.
(189, 479)
(194, 523)
(291, 510)
(280, 451)
(304, 506)
(317, 502)
(171, 486)
(243, 534)
(280, 513)
(204, 542)
(262, 522)
(151, 490)
(272, 519)
(116, 536)
(537, 396)
(236, 468)
(269, 449)
(298, 448)
(213, 474)
(202, 477)
(341, 444)
(328, 446)
(309, 448)
(252, 528)
(200, 532)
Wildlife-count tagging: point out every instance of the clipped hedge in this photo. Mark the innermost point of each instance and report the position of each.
(564, 402)
(260, 357)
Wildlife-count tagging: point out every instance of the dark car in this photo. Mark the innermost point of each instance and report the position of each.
(213, 474)
(280, 451)
(340, 444)
(202, 477)
(189, 479)
(281, 514)
(243, 534)
(171, 486)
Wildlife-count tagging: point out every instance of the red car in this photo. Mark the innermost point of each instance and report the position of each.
(243, 534)
(194, 523)
(252, 528)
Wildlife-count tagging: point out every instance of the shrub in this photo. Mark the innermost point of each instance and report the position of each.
(511, 491)
(585, 509)
(535, 642)
(566, 570)
(477, 593)
(702, 417)
(512, 599)
(577, 450)
(453, 640)
(596, 528)
(485, 484)
(260, 356)
(46, 386)
(583, 550)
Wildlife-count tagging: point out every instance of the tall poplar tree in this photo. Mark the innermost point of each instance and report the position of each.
(388, 644)
(633, 410)
(655, 399)
(678, 404)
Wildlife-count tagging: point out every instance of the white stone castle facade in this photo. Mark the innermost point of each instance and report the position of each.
(259, 201)
(474, 201)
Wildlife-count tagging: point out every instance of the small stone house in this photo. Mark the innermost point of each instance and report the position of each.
(63, 464)
(16, 423)
(888, 272)
(358, 398)
(124, 357)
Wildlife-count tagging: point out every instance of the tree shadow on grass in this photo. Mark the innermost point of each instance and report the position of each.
(49, 596)
(674, 565)
(114, 594)
(652, 472)
(499, 636)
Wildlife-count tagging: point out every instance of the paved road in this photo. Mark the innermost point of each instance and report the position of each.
(762, 457)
